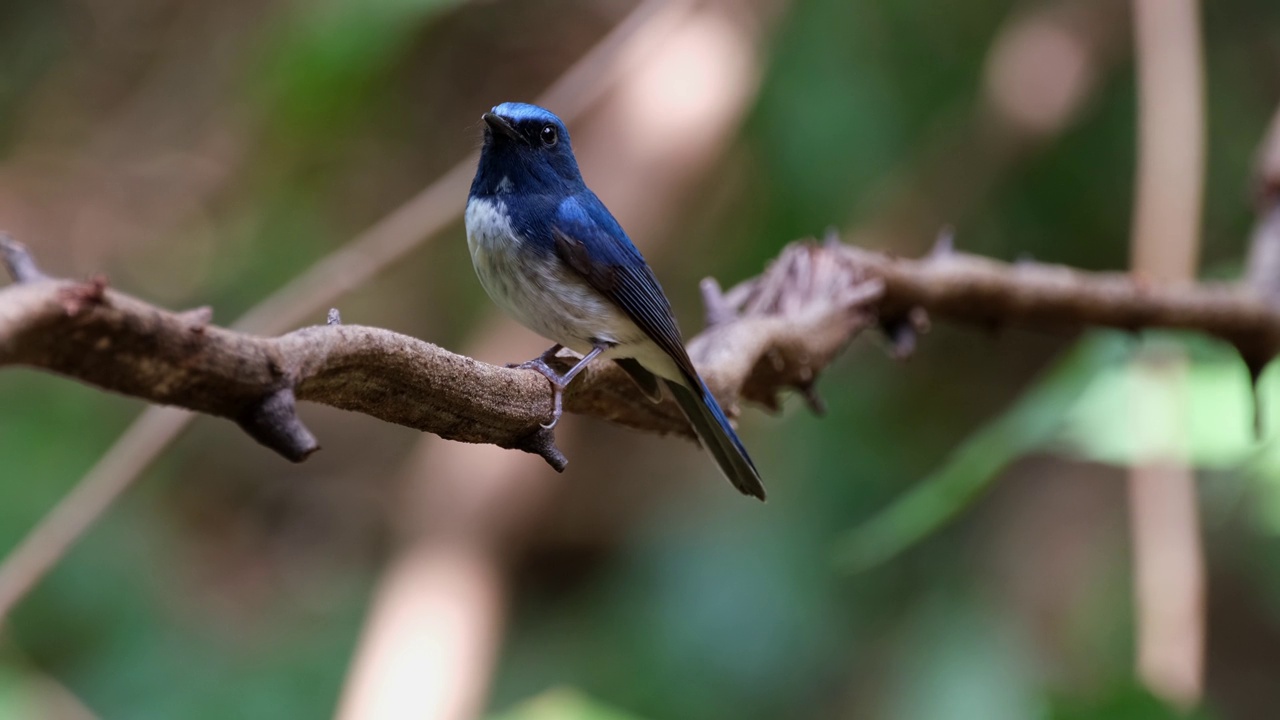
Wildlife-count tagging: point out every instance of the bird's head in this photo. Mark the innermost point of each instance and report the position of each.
(526, 149)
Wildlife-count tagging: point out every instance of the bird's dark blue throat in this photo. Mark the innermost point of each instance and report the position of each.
(525, 148)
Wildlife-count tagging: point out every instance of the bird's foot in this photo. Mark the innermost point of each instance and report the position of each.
(558, 384)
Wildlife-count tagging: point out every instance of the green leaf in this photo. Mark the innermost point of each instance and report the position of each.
(1033, 421)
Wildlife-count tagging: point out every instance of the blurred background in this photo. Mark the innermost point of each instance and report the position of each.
(203, 153)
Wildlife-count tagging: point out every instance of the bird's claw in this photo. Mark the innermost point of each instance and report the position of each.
(557, 395)
(560, 382)
(558, 385)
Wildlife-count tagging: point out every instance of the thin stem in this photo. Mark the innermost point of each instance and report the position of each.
(1168, 557)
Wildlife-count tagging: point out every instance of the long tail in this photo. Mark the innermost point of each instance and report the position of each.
(717, 436)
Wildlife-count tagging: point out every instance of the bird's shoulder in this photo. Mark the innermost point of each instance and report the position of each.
(584, 220)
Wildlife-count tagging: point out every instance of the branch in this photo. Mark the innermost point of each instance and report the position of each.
(770, 333)
(85, 330)
(967, 288)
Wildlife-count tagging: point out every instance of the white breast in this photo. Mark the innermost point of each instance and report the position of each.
(537, 290)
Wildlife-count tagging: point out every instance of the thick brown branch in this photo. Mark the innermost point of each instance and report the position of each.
(109, 339)
(770, 333)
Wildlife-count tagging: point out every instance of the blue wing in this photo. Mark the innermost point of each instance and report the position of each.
(588, 239)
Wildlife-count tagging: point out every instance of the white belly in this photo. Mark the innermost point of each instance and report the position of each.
(539, 292)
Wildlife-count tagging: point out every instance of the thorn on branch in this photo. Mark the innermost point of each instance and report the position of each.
(334, 318)
(197, 318)
(1255, 361)
(85, 295)
(945, 244)
(273, 421)
(718, 309)
(904, 331)
(861, 294)
(901, 336)
(831, 240)
(811, 398)
(18, 261)
(542, 442)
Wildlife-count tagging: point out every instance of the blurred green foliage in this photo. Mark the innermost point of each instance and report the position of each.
(323, 60)
(214, 592)
(1084, 408)
(1036, 419)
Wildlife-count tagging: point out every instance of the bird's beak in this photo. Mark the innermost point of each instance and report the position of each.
(499, 124)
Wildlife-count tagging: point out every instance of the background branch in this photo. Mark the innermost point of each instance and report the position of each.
(969, 288)
(1168, 553)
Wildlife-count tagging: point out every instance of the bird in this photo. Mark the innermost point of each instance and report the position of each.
(550, 254)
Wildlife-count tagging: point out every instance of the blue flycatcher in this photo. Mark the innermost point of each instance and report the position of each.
(550, 254)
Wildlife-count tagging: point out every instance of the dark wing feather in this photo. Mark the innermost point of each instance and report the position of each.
(589, 240)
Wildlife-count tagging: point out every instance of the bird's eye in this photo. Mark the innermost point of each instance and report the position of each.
(549, 135)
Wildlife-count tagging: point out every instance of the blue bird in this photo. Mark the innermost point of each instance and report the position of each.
(550, 254)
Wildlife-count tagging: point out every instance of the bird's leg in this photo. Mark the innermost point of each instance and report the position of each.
(559, 382)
